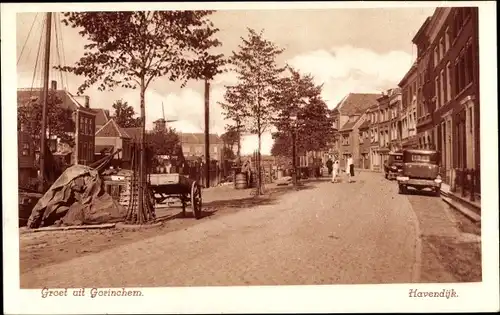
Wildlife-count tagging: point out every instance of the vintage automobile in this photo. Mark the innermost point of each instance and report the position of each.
(394, 165)
(420, 171)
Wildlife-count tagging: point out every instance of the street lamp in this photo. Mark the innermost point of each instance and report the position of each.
(293, 118)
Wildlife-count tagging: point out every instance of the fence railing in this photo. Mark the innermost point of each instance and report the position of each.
(468, 183)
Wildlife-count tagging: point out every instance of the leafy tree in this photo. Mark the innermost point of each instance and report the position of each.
(231, 137)
(164, 142)
(131, 49)
(250, 99)
(297, 94)
(60, 120)
(228, 153)
(124, 115)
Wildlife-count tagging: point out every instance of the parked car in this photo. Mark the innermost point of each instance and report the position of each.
(420, 171)
(394, 165)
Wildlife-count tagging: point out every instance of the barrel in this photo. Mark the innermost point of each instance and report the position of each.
(240, 181)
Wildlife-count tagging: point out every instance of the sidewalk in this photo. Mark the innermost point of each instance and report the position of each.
(471, 209)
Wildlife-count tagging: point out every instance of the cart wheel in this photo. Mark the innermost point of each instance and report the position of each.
(196, 200)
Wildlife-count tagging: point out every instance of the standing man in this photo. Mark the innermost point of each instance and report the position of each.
(329, 165)
(350, 168)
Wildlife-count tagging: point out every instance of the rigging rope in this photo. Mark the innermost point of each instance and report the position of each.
(63, 54)
(56, 31)
(36, 60)
(26, 41)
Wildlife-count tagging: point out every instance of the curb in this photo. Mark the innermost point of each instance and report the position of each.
(460, 208)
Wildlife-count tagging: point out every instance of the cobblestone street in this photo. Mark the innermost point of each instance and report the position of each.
(358, 233)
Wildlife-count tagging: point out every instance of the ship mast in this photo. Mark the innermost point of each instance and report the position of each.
(45, 95)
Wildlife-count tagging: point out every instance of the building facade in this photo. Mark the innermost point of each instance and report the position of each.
(83, 118)
(410, 96)
(348, 116)
(193, 145)
(449, 119)
(110, 138)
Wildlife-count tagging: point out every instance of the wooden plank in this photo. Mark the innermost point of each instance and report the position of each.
(73, 227)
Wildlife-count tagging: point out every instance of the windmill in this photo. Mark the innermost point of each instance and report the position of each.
(161, 123)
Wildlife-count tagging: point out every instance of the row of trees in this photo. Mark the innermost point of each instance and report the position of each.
(267, 95)
(132, 49)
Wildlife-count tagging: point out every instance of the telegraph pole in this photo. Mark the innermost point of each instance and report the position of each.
(207, 138)
(45, 96)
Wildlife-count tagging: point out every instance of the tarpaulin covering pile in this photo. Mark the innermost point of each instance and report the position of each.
(77, 197)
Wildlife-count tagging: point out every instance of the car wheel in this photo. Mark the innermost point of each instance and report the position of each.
(402, 189)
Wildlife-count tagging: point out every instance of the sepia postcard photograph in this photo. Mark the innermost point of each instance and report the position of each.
(250, 157)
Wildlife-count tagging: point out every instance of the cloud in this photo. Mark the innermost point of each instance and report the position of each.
(341, 70)
(348, 69)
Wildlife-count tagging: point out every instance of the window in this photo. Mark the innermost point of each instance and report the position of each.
(215, 149)
(436, 57)
(448, 81)
(81, 125)
(447, 43)
(361, 137)
(441, 90)
(420, 158)
(470, 63)
(459, 22)
(441, 48)
(345, 139)
(91, 127)
(436, 91)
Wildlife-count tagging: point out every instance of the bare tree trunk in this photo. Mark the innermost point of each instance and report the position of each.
(259, 179)
(238, 128)
(141, 214)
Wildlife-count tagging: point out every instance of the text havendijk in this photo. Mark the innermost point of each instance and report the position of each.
(433, 294)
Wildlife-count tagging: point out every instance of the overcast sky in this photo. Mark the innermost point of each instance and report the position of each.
(347, 50)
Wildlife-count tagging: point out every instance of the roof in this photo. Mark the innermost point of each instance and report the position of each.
(133, 132)
(25, 96)
(365, 125)
(199, 138)
(111, 129)
(350, 123)
(421, 30)
(102, 116)
(357, 103)
(408, 74)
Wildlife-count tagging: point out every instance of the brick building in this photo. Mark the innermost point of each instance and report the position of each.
(449, 116)
(408, 113)
(348, 115)
(112, 137)
(82, 115)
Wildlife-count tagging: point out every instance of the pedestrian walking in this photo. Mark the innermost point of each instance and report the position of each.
(349, 169)
(335, 171)
(329, 165)
(247, 170)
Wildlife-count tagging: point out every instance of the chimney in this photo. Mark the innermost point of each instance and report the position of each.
(87, 101)
(53, 85)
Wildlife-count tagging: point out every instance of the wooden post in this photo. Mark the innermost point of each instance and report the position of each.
(207, 138)
(45, 95)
